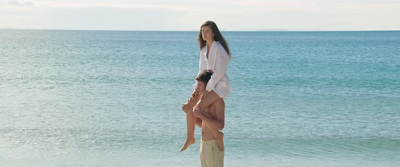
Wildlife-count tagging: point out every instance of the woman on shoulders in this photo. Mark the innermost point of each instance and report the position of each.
(214, 57)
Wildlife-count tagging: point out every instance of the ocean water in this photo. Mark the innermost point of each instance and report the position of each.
(113, 98)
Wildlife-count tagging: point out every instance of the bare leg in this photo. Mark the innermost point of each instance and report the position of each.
(207, 99)
(190, 120)
(194, 98)
(190, 123)
(218, 135)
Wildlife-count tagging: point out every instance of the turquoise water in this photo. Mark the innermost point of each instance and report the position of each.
(113, 98)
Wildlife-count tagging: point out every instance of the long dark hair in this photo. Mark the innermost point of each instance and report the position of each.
(217, 37)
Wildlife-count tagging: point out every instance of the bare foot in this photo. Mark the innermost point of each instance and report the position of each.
(220, 141)
(193, 99)
(191, 102)
(188, 143)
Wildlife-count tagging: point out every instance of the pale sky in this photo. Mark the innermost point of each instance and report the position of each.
(232, 15)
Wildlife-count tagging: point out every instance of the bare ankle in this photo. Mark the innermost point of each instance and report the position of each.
(189, 141)
(220, 135)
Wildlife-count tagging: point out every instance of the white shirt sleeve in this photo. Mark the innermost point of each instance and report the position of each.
(220, 68)
(202, 65)
(202, 62)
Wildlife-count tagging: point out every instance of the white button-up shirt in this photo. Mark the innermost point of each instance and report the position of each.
(217, 61)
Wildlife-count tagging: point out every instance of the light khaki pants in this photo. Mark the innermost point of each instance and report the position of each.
(210, 156)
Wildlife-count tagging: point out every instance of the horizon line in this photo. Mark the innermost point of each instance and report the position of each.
(225, 30)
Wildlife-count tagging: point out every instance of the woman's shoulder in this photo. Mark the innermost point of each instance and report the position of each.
(218, 44)
(220, 49)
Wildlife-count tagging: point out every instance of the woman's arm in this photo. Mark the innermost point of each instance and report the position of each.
(202, 62)
(221, 68)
